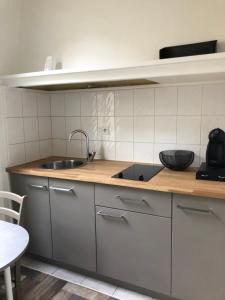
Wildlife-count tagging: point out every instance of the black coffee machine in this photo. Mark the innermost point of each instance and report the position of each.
(214, 167)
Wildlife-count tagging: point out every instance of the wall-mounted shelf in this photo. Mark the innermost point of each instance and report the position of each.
(209, 67)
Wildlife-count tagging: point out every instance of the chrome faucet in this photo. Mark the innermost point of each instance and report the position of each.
(90, 156)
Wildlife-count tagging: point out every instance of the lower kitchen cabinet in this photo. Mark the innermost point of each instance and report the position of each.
(134, 248)
(36, 211)
(198, 260)
(73, 223)
(133, 234)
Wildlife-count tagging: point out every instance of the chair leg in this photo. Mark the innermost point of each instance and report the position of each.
(18, 281)
(8, 283)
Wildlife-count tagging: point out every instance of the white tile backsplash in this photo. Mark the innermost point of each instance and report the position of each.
(15, 130)
(72, 104)
(144, 129)
(188, 130)
(71, 124)
(27, 118)
(58, 105)
(106, 128)
(213, 99)
(202, 153)
(124, 103)
(31, 129)
(90, 124)
(44, 128)
(29, 101)
(32, 151)
(166, 101)
(108, 150)
(124, 129)
(59, 147)
(45, 148)
(14, 103)
(190, 100)
(134, 123)
(16, 154)
(44, 105)
(143, 152)
(88, 104)
(144, 102)
(105, 103)
(124, 151)
(165, 129)
(58, 128)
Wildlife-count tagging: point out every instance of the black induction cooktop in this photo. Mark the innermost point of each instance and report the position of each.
(139, 172)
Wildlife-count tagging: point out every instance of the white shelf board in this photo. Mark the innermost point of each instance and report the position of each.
(175, 70)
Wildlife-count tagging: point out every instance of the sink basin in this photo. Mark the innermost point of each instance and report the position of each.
(63, 164)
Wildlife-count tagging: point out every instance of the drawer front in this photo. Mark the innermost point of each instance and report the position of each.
(150, 202)
(134, 248)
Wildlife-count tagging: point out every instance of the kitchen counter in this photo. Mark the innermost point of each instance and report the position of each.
(100, 171)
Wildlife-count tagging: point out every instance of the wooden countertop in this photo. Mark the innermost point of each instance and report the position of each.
(100, 171)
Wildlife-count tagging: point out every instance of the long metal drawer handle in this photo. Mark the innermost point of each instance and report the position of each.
(40, 187)
(105, 214)
(142, 200)
(205, 211)
(60, 189)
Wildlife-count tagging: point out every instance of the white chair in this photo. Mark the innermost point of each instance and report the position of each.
(8, 212)
(14, 215)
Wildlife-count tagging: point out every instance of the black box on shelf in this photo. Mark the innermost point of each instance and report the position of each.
(188, 50)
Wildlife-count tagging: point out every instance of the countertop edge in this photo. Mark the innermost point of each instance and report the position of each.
(203, 191)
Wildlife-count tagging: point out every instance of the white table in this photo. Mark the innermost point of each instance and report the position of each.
(13, 242)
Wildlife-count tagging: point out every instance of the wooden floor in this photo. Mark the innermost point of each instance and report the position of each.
(39, 286)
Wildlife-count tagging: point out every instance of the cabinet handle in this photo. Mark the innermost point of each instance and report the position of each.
(60, 189)
(205, 211)
(142, 200)
(40, 187)
(112, 215)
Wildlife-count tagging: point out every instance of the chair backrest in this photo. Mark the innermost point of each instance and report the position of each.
(16, 215)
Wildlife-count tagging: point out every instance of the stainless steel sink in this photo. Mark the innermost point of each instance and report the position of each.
(63, 164)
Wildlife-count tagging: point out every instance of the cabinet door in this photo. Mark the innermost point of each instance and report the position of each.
(134, 248)
(36, 212)
(73, 223)
(198, 248)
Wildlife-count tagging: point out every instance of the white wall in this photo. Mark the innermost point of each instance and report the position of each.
(10, 17)
(90, 34)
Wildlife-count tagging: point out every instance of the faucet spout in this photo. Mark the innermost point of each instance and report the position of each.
(89, 156)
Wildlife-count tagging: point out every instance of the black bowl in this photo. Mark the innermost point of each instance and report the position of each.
(176, 159)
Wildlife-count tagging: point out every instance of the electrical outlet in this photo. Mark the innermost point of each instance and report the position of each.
(105, 131)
